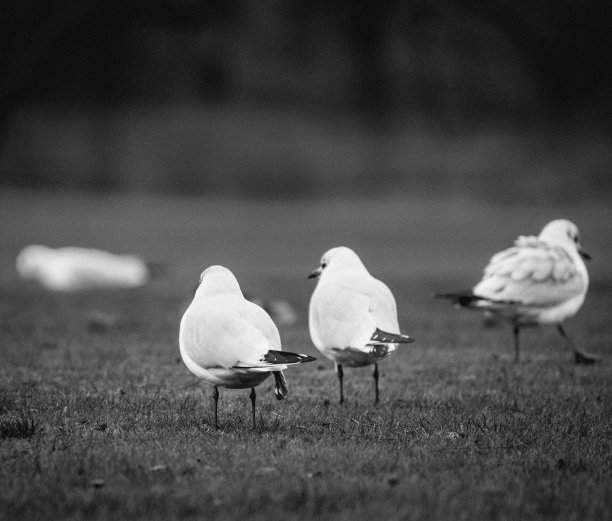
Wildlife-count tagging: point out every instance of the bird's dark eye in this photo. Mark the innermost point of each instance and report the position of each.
(323, 264)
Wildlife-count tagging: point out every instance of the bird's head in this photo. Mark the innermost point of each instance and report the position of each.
(217, 279)
(564, 233)
(337, 259)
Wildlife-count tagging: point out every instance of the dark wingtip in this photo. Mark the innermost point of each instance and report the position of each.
(280, 385)
(283, 357)
(306, 358)
(391, 338)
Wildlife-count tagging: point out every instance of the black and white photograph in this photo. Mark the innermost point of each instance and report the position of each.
(302, 260)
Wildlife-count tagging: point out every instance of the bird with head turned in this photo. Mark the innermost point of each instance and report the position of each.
(352, 315)
(540, 280)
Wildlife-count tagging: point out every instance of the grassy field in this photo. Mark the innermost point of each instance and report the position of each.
(99, 418)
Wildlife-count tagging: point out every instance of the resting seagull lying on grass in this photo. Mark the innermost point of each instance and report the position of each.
(231, 342)
(352, 316)
(540, 280)
(74, 268)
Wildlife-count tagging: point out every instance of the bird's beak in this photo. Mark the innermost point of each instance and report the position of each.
(316, 273)
(584, 254)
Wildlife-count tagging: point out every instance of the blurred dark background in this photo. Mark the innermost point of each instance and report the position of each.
(501, 100)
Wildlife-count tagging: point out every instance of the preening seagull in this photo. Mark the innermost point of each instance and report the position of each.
(352, 316)
(74, 268)
(231, 342)
(540, 280)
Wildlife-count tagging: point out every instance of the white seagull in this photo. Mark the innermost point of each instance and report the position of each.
(352, 316)
(540, 280)
(74, 268)
(231, 342)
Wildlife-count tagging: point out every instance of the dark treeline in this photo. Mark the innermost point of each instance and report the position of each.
(448, 60)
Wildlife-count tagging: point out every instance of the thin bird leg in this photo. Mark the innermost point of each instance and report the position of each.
(253, 396)
(579, 356)
(375, 374)
(216, 400)
(340, 376)
(516, 330)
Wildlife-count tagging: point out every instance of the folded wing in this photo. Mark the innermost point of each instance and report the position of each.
(272, 359)
(530, 273)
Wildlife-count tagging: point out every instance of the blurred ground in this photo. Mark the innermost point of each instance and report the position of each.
(435, 244)
(100, 419)
(405, 236)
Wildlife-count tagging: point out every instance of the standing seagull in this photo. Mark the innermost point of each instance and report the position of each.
(352, 316)
(231, 342)
(540, 280)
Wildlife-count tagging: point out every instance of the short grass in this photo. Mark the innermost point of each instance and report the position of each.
(99, 419)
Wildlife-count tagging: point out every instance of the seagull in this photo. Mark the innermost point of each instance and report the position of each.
(74, 268)
(352, 316)
(231, 342)
(538, 281)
